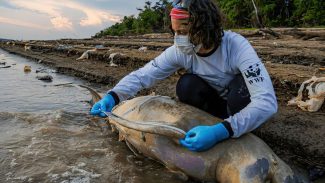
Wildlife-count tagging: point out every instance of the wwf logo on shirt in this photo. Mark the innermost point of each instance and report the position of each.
(253, 74)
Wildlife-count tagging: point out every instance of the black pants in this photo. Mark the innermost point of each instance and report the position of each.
(193, 90)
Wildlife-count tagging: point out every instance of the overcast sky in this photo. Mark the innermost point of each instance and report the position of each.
(54, 19)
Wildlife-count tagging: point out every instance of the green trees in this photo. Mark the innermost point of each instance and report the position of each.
(309, 12)
(238, 14)
(151, 18)
(273, 13)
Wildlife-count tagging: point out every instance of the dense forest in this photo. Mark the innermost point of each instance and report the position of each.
(154, 17)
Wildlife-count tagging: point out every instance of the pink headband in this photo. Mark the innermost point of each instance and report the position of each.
(179, 14)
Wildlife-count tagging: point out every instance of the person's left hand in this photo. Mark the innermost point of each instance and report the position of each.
(201, 138)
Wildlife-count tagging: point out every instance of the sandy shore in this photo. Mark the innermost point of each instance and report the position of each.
(297, 136)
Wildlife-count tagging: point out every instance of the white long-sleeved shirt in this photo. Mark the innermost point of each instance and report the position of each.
(235, 55)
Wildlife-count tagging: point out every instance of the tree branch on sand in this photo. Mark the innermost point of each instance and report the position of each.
(263, 28)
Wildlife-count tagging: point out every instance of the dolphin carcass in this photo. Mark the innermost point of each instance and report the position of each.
(152, 125)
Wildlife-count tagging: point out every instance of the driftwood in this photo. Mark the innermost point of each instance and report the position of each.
(263, 29)
(306, 35)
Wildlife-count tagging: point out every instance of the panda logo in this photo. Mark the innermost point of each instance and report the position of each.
(253, 71)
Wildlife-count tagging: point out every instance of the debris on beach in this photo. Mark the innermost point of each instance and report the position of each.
(3, 63)
(111, 59)
(27, 68)
(41, 70)
(315, 87)
(143, 49)
(46, 77)
(27, 47)
(85, 55)
(45, 70)
(4, 67)
(99, 47)
(63, 47)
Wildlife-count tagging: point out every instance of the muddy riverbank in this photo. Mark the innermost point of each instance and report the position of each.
(297, 136)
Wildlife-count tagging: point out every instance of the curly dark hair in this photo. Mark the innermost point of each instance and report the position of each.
(205, 24)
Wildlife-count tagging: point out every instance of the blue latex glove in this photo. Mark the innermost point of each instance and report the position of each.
(201, 138)
(105, 104)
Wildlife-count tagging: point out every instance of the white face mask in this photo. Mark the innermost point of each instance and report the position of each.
(182, 42)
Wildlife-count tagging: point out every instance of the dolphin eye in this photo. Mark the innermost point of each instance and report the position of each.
(192, 135)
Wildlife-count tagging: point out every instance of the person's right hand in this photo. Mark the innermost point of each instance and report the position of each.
(105, 104)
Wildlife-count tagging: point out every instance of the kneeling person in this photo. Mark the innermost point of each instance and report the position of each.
(224, 76)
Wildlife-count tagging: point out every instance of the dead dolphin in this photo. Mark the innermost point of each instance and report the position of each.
(243, 160)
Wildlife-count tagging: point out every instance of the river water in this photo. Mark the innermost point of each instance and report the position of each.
(47, 135)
